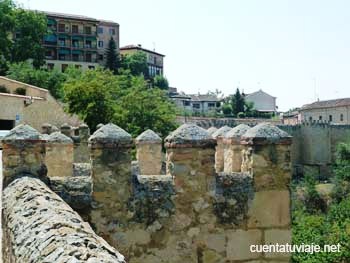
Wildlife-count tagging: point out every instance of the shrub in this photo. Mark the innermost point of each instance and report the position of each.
(241, 115)
(21, 91)
(3, 89)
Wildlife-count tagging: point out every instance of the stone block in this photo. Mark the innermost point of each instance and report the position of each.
(279, 236)
(239, 242)
(269, 209)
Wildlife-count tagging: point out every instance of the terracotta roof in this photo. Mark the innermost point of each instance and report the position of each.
(258, 92)
(68, 16)
(327, 104)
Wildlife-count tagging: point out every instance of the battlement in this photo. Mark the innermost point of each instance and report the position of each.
(219, 193)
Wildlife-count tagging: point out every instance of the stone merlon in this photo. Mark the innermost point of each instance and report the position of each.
(148, 137)
(112, 135)
(40, 227)
(236, 133)
(22, 132)
(211, 130)
(220, 133)
(265, 133)
(58, 137)
(189, 135)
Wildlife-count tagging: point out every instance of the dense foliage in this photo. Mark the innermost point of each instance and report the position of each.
(112, 57)
(99, 96)
(314, 223)
(47, 79)
(19, 30)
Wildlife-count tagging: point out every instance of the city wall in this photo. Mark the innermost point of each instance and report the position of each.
(197, 211)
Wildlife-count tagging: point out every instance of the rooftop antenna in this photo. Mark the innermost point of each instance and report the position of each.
(154, 46)
(315, 94)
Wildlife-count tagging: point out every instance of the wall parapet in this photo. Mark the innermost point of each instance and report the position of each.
(40, 227)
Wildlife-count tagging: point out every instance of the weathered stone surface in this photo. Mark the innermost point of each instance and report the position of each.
(239, 242)
(111, 134)
(148, 136)
(237, 131)
(189, 135)
(280, 236)
(233, 192)
(220, 133)
(211, 130)
(270, 209)
(40, 227)
(76, 191)
(266, 133)
(22, 132)
(152, 198)
(58, 137)
(82, 169)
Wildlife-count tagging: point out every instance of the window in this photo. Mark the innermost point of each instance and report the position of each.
(50, 66)
(77, 66)
(62, 42)
(75, 29)
(100, 43)
(61, 57)
(320, 118)
(196, 105)
(91, 67)
(75, 43)
(61, 28)
(155, 60)
(75, 57)
(342, 117)
(100, 30)
(63, 67)
(100, 57)
(88, 30)
(186, 103)
(112, 31)
(88, 43)
(310, 119)
(211, 104)
(330, 118)
(88, 57)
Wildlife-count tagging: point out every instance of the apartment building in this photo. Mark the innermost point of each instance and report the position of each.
(154, 59)
(77, 40)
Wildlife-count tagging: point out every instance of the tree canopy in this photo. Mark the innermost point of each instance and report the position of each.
(136, 63)
(112, 57)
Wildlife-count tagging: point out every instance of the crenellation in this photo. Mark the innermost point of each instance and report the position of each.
(220, 147)
(189, 214)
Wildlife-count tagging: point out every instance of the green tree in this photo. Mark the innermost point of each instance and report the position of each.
(90, 96)
(30, 28)
(7, 23)
(143, 108)
(51, 80)
(160, 82)
(237, 102)
(112, 57)
(136, 63)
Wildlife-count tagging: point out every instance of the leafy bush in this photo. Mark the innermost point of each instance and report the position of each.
(21, 91)
(3, 89)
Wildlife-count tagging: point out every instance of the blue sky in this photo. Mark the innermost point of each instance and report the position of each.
(295, 50)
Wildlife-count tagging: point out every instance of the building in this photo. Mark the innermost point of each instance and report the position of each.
(105, 31)
(263, 102)
(334, 111)
(292, 117)
(77, 40)
(200, 104)
(35, 107)
(154, 59)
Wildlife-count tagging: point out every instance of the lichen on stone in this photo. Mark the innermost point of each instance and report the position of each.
(211, 130)
(221, 132)
(189, 135)
(148, 136)
(58, 137)
(110, 133)
(237, 131)
(22, 132)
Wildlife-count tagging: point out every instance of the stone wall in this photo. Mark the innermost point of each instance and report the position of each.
(207, 122)
(38, 226)
(191, 213)
(314, 146)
